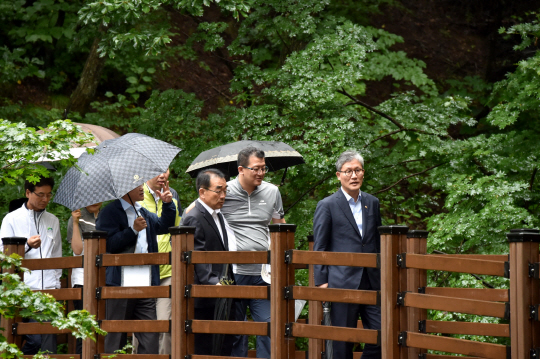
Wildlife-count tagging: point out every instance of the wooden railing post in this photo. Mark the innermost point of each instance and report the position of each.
(393, 281)
(12, 245)
(524, 291)
(92, 280)
(180, 244)
(282, 311)
(315, 314)
(416, 278)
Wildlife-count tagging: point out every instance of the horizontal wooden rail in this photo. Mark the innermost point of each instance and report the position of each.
(468, 328)
(196, 356)
(59, 356)
(469, 306)
(335, 258)
(451, 264)
(39, 328)
(355, 335)
(135, 292)
(486, 257)
(229, 327)
(458, 346)
(129, 326)
(355, 296)
(495, 295)
(53, 263)
(229, 291)
(133, 356)
(242, 257)
(134, 259)
(64, 293)
(440, 356)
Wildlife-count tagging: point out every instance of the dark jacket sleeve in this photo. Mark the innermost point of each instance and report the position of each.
(119, 237)
(322, 235)
(167, 219)
(203, 272)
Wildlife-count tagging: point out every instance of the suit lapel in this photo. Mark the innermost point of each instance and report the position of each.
(344, 205)
(210, 221)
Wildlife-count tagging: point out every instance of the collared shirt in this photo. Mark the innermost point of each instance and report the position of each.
(142, 244)
(356, 208)
(230, 233)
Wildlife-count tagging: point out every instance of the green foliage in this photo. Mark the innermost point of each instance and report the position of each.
(18, 299)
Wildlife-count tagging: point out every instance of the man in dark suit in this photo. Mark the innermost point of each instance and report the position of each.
(132, 229)
(347, 221)
(212, 233)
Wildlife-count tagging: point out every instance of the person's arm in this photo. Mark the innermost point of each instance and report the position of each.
(74, 232)
(202, 271)
(118, 238)
(279, 214)
(168, 211)
(57, 249)
(322, 234)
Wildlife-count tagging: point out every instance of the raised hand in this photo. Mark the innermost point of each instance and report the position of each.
(165, 195)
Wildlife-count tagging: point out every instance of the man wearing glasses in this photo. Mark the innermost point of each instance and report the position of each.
(42, 231)
(347, 221)
(251, 205)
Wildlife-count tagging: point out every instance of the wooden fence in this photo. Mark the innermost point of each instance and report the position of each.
(404, 297)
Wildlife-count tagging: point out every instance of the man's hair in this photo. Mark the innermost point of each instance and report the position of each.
(243, 156)
(203, 178)
(348, 156)
(44, 181)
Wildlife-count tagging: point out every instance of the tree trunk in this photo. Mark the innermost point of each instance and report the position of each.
(88, 83)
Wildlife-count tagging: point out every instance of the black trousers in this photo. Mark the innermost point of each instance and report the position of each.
(125, 309)
(78, 305)
(36, 342)
(346, 315)
(204, 342)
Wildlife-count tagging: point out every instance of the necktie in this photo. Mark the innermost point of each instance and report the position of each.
(224, 231)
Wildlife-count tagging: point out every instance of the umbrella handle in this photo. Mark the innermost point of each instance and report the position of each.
(138, 215)
(283, 178)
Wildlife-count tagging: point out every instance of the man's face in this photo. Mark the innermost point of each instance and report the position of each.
(158, 182)
(353, 183)
(136, 194)
(94, 208)
(210, 197)
(39, 199)
(253, 177)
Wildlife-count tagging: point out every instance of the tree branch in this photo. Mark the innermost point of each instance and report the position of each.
(402, 162)
(409, 176)
(309, 190)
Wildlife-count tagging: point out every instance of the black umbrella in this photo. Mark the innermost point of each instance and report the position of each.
(278, 155)
(117, 166)
(222, 311)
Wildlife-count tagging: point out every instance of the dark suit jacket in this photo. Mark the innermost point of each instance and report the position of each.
(335, 230)
(121, 238)
(207, 238)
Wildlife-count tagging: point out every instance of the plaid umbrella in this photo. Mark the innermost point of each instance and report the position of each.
(117, 166)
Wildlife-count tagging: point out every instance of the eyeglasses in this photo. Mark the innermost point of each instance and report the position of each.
(349, 173)
(265, 169)
(43, 195)
(223, 191)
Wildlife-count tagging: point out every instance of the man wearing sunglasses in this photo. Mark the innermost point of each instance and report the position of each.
(42, 230)
(251, 205)
(347, 221)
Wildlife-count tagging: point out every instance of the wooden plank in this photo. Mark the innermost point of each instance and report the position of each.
(469, 306)
(91, 280)
(229, 291)
(240, 257)
(495, 295)
(64, 293)
(335, 258)
(315, 313)
(129, 326)
(336, 295)
(58, 356)
(39, 328)
(135, 292)
(131, 356)
(452, 264)
(486, 257)
(440, 356)
(489, 329)
(343, 334)
(53, 263)
(229, 327)
(135, 259)
(458, 346)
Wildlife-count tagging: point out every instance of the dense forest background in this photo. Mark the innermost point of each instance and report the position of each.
(441, 98)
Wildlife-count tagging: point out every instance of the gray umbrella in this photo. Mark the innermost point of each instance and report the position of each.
(117, 166)
(278, 155)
